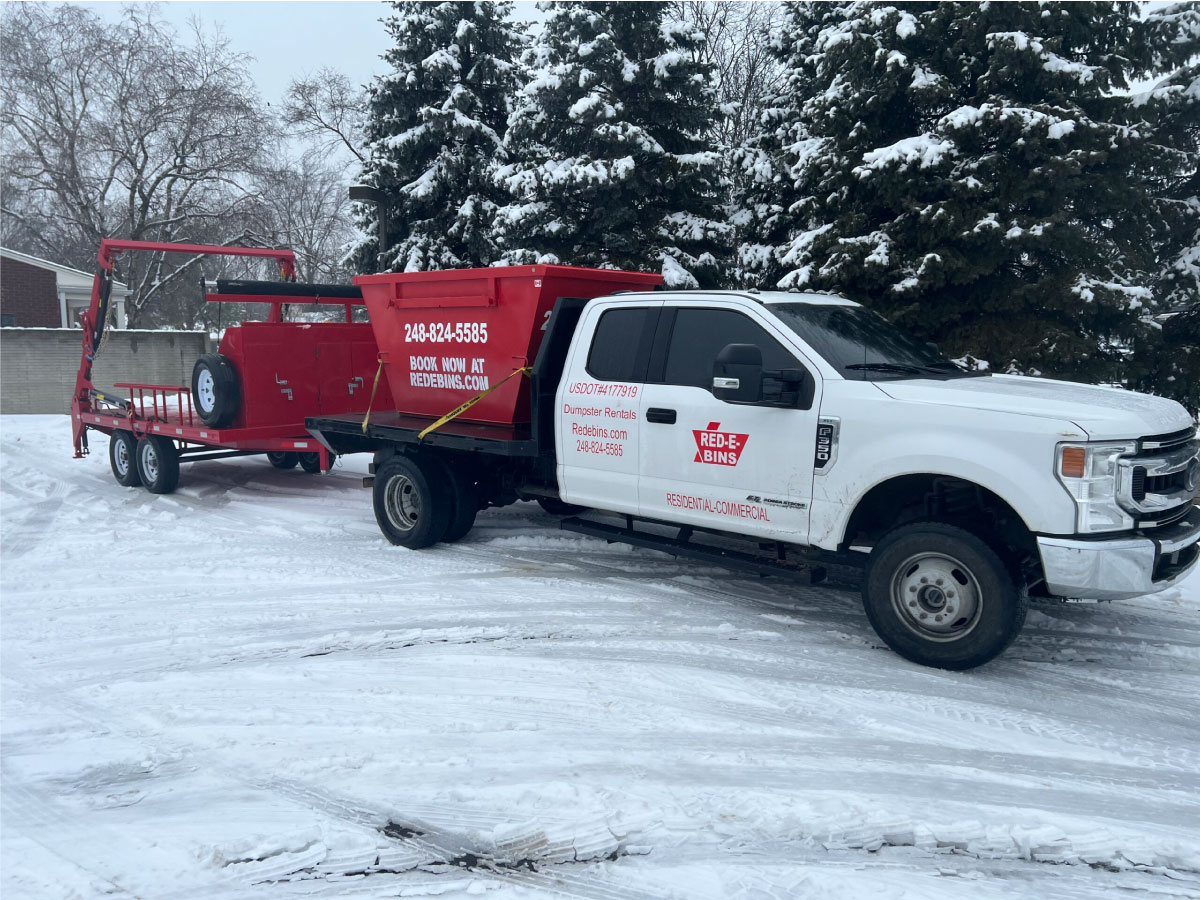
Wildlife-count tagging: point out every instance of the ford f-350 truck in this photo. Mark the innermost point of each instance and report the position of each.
(781, 433)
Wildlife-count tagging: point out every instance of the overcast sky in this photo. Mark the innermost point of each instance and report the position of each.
(291, 39)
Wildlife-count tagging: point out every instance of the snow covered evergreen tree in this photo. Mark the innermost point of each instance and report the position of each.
(1170, 361)
(435, 133)
(609, 163)
(965, 169)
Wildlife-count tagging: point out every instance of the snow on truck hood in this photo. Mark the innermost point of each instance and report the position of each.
(1104, 413)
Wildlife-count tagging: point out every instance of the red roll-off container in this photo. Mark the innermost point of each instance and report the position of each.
(446, 336)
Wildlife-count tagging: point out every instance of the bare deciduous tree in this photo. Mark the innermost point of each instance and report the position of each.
(121, 131)
(304, 205)
(737, 43)
(328, 109)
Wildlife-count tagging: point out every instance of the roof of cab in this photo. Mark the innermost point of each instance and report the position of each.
(764, 297)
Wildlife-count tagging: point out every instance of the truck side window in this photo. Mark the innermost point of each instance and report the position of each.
(700, 334)
(614, 352)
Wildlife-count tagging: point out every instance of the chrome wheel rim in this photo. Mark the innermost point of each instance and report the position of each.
(121, 457)
(936, 597)
(401, 503)
(149, 462)
(206, 391)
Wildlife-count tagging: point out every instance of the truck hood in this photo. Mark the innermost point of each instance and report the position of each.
(1104, 413)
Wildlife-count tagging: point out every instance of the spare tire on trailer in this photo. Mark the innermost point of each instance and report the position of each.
(215, 390)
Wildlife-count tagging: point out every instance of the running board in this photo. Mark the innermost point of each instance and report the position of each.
(683, 546)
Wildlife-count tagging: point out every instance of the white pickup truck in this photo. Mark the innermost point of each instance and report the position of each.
(781, 433)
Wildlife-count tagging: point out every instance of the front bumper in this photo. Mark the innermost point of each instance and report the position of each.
(1118, 568)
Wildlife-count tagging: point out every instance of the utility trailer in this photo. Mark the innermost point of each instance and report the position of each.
(251, 397)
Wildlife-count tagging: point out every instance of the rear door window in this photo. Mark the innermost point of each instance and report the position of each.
(620, 345)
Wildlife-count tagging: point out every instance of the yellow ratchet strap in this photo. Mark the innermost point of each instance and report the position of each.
(370, 402)
(455, 413)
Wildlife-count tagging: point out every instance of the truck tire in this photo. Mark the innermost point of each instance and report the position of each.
(556, 507)
(466, 505)
(413, 502)
(311, 463)
(940, 596)
(215, 390)
(283, 459)
(122, 457)
(158, 464)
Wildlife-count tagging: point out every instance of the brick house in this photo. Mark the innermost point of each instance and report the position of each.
(37, 293)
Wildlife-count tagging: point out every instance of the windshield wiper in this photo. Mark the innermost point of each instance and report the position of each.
(898, 368)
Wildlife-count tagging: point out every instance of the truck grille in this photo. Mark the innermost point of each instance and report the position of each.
(1156, 443)
(1158, 485)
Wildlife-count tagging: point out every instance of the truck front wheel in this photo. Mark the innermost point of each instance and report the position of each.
(940, 596)
(412, 501)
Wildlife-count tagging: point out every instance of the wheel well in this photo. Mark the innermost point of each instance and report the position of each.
(939, 498)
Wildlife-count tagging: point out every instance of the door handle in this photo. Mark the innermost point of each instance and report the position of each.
(660, 416)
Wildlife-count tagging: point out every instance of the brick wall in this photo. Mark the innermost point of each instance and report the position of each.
(29, 294)
(38, 365)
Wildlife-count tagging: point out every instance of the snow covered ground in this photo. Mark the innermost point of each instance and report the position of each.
(241, 690)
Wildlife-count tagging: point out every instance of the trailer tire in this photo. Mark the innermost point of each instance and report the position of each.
(941, 596)
(122, 457)
(215, 390)
(158, 464)
(412, 501)
(556, 507)
(466, 505)
(283, 459)
(310, 463)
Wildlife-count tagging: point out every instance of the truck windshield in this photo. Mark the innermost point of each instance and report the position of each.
(863, 345)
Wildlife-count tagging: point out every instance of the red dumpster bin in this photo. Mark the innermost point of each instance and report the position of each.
(446, 336)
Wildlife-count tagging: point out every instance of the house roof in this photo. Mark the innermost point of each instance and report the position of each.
(68, 278)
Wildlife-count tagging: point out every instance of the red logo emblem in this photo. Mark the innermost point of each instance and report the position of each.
(719, 448)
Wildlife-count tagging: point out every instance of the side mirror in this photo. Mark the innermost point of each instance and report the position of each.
(790, 388)
(737, 374)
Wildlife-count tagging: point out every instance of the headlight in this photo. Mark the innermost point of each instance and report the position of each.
(1089, 473)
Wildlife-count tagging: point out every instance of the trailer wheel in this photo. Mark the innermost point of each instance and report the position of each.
(310, 463)
(215, 389)
(466, 506)
(412, 502)
(940, 596)
(283, 459)
(158, 464)
(122, 456)
(557, 507)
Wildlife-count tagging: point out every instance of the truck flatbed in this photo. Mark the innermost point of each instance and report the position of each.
(344, 434)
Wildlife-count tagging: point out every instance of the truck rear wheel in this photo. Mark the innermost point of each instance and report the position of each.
(122, 457)
(215, 390)
(283, 459)
(158, 464)
(940, 596)
(413, 502)
(466, 505)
